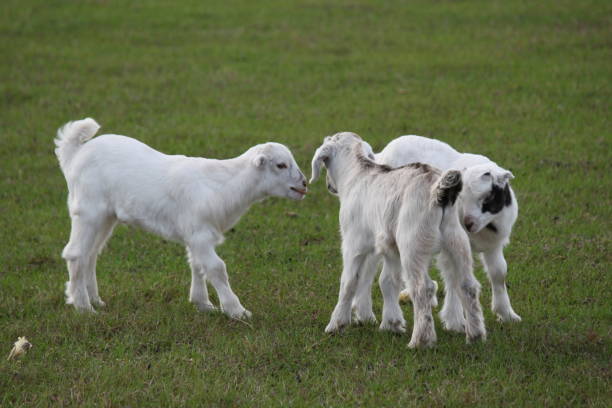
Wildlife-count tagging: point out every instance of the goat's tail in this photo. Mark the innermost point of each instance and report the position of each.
(71, 136)
(447, 189)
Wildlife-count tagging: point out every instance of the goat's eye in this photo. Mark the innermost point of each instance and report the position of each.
(281, 166)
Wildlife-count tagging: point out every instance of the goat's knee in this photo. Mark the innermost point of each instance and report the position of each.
(471, 288)
(72, 251)
(432, 290)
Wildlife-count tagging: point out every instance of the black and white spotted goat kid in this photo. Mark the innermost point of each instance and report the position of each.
(403, 216)
(487, 209)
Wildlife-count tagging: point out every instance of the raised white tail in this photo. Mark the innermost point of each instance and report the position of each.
(71, 136)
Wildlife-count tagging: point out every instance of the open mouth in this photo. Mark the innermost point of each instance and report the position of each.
(297, 190)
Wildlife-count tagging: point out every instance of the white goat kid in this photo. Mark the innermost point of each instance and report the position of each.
(405, 216)
(487, 209)
(189, 200)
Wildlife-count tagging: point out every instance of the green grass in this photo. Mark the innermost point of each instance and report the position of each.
(527, 83)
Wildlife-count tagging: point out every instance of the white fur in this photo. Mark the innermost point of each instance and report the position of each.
(189, 200)
(479, 175)
(395, 215)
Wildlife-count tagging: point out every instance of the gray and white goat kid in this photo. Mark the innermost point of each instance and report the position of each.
(403, 216)
(190, 200)
(487, 209)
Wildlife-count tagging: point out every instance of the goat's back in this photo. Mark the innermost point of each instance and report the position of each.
(417, 149)
(124, 178)
(382, 197)
(119, 164)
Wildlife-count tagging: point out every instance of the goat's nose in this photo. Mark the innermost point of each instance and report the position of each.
(304, 183)
(468, 224)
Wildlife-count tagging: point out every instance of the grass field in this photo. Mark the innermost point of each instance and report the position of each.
(526, 83)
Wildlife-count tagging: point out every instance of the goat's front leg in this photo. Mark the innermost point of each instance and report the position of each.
(389, 282)
(205, 259)
(362, 303)
(456, 248)
(496, 267)
(353, 263)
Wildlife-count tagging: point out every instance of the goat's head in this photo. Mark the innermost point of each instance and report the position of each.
(486, 194)
(332, 150)
(282, 175)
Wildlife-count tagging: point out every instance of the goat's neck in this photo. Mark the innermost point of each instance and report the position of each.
(346, 175)
(240, 187)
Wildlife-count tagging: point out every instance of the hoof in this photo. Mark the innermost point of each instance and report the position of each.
(394, 326)
(240, 315)
(421, 344)
(365, 320)
(99, 303)
(509, 317)
(335, 327)
(206, 307)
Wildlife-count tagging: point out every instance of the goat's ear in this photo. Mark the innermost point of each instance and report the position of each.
(505, 177)
(367, 150)
(259, 160)
(320, 157)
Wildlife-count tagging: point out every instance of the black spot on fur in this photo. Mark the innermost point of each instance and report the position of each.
(368, 164)
(425, 168)
(365, 162)
(490, 226)
(497, 199)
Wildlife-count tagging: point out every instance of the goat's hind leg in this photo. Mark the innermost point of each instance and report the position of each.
(415, 262)
(362, 303)
(389, 282)
(102, 236)
(198, 293)
(80, 254)
(405, 293)
(341, 316)
(451, 315)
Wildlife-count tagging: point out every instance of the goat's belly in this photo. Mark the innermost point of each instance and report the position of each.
(155, 225)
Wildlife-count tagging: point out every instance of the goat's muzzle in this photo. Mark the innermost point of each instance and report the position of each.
(301, 191)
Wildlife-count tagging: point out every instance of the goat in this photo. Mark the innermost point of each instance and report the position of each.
(487, 209)
(405, 216)
(189, 200)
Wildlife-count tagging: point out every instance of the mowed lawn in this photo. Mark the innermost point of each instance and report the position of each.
(527, 83)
